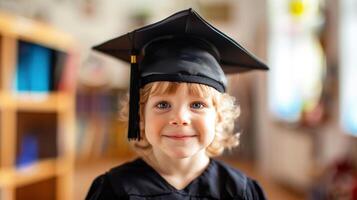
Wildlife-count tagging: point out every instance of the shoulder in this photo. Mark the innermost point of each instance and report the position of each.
(110, 184)
(235, 183)
(100, 189)
(137, 178)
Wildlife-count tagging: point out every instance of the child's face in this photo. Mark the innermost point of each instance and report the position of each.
(179, 125)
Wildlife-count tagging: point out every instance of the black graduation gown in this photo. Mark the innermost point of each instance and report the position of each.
(137, 180)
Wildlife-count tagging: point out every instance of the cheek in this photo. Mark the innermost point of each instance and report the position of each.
(149, 130)
(153, 125)
(208, 126)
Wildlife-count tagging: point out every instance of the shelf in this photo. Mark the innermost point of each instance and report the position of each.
(39, 69)
(32, 173)
(28, 30)
(36, 102)
(45, 189)
(37, 76)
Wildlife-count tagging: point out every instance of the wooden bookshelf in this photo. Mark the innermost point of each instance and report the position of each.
(26, 175)
(40, 33)
(37, 128)
(57, 102)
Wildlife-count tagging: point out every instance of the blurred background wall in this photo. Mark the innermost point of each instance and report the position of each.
(298, 121)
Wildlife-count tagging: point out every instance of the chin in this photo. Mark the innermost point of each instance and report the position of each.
(181, 154)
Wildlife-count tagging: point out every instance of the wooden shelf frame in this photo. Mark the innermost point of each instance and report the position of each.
(26, 175)
(21, 28)
(12, 30)
(10, 179)
(7, 62)
(36, 102)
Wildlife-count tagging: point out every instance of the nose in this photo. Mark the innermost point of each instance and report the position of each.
(180, 117)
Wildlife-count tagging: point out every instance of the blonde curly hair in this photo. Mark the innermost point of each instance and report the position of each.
(226, 109)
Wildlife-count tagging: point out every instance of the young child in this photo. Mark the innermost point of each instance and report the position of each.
(179, 113)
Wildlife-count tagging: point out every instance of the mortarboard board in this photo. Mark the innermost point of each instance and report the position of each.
(181, 48)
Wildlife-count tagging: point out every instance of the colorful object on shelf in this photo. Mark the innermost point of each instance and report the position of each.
(28, 151)
(97, 122)
(39, 69)
(33, 68)
(58, 64)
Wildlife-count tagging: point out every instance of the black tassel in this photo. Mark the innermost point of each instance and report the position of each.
(134, 129)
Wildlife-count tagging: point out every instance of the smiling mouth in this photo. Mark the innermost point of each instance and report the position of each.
(179, 137)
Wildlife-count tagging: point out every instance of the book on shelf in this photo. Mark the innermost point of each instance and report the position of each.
(37, 137)
(33, 67)
(28, 151)
(98, 125)
(58, 64)
(41, 69)
(68, 77)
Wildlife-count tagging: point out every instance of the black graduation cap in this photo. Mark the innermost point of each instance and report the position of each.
(181, 48)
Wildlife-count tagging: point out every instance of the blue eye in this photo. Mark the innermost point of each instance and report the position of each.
(163, 105)
(197, 105)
